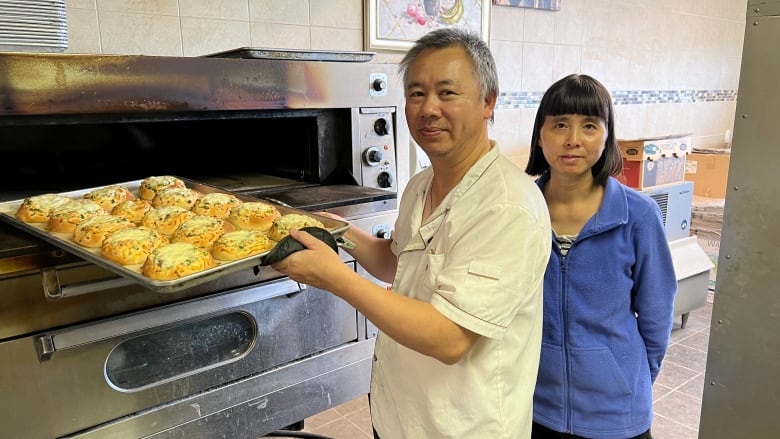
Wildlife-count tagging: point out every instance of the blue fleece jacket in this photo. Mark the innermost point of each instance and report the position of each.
(608, 313)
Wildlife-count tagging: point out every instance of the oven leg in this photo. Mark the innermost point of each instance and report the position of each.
(298, 426)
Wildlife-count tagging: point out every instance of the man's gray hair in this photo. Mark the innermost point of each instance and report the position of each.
(477, 49)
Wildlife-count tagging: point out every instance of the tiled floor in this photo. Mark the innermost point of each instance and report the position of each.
(350, 420)
(678, 390)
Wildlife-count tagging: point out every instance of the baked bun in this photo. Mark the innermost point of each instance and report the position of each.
(240, 244)
(92, 231)
(281, 226)
(151, 185)
(176, 260)
(166, 219)
(216, 204)
(64, 218)
(176, 196)
(201, 230)
(108, 197)
(254, 215)
(36, 209)
(132, 210)
(132, 245)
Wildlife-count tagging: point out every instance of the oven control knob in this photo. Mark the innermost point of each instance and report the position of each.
(380, 127)
(379, 84)
(382, 231)
(372, 156)
(384, 179)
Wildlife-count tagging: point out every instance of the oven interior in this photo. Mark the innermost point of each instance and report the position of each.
(235, 150)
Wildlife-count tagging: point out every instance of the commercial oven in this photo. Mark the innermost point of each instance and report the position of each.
(85, 353)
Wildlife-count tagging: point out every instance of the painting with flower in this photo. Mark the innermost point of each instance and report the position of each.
(396, 24)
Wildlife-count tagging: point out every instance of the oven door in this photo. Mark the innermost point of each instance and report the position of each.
(245, 362)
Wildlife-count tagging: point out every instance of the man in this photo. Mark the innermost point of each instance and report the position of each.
(460, 329)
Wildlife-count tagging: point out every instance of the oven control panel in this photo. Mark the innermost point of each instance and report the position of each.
(375, 148)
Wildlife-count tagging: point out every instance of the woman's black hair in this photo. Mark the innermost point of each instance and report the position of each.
(577, 94)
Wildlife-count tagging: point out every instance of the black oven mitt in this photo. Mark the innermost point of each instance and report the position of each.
(288, 245)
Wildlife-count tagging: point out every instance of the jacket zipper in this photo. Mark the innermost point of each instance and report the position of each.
(566, 368)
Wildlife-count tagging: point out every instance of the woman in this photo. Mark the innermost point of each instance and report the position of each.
(609, 286)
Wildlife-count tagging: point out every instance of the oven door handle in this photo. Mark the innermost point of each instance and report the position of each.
(49, 343)
(54, 290)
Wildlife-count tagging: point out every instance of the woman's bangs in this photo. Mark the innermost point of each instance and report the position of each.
(579, 100)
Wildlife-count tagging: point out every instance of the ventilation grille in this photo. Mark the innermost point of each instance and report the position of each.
(663, 202)
(33, 26)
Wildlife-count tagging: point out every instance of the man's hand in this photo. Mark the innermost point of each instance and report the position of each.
(317, 265)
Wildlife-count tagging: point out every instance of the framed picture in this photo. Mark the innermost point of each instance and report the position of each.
(394, 25)
(550, 5)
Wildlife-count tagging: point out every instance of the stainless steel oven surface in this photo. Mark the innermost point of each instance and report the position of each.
(241, 353)
(178, 362)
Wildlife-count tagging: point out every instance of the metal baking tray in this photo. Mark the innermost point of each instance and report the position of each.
(295, 55)
(133, 272)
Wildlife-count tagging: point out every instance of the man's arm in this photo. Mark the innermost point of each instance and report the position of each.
(372, 253)
(412, 323)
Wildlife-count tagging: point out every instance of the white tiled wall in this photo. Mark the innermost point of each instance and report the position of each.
(627, 44)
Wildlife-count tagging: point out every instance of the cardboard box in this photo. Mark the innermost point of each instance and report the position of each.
(709, 174)
(654, 161)
(706, 225)
(711, 246)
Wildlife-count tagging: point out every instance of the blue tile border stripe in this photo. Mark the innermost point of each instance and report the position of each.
(550, 5)
(521, 99)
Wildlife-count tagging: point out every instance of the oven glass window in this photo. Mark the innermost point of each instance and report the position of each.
(162, 356)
